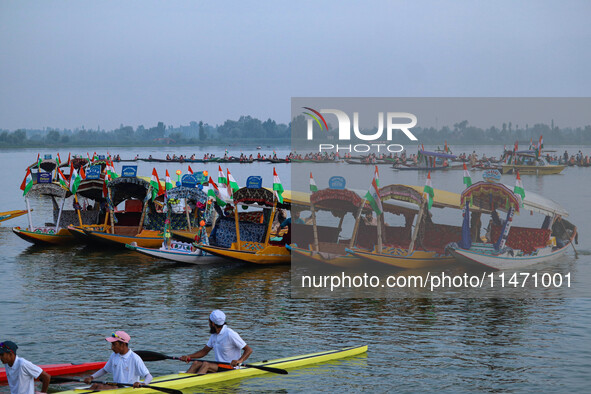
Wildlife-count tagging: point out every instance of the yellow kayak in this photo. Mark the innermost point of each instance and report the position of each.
(184, 380)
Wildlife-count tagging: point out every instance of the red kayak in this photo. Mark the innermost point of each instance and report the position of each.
(62, 369)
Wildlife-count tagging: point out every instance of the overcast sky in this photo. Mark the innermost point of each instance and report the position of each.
(69, 64)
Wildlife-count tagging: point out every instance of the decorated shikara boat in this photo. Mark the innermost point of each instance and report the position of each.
(250, 241)
(50, 233)
(405, 247)
(127, 225)
(508, 246)
(321, 243)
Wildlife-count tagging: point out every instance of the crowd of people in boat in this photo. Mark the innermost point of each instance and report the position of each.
(402, 158)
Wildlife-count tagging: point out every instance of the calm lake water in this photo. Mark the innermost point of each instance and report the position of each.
(58, 303)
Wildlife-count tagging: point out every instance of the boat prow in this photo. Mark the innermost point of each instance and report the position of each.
(179, 252)
(44, 235)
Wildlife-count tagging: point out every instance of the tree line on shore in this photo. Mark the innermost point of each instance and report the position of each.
(247, 128)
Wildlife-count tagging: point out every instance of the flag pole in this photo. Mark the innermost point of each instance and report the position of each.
(59, 215)
(29, 214)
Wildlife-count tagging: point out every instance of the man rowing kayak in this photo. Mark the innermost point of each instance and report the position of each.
(21, 373)
(225, 342)
(124, 364)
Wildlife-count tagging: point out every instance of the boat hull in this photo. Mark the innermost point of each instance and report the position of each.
(62, 237)
(145, 239)
(268, 255)
(185, 380)
(337, 260)
(532, 170)
(417, 259)
(62, 369)
(178, 256)
(480, 258)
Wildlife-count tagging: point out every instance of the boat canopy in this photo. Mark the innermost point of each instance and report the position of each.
(190, 193)
(248, 196)
(91, 189)
(124, 188)
(48, 189)
(442, 198)
(336, 200)
(487, 195)
(535, 202)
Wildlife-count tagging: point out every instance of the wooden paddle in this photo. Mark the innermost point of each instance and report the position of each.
(59, 379)
(147, 355)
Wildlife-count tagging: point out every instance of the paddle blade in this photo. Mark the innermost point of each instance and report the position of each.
(147, 355)
(268, 369)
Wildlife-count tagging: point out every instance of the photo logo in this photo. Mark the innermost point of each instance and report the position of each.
(345, 124)
(315, 118)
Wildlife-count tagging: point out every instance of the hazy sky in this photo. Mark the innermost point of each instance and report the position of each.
(68, 64)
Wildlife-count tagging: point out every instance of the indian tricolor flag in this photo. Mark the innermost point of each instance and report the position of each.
(313, 187)
(111, 171)
(222, 180)
(467, 177)
(214, 192)
(428, 190)
(168, 182)
(155, 183)
(75, 179)
(541, 143)
(373, 195)
(27, 182)
(277, 186)
(519, 188)
(232, 184)
(62, 179)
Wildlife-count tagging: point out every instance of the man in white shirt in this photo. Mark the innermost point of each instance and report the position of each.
(20, 373)
(227, 345)
(126, 366)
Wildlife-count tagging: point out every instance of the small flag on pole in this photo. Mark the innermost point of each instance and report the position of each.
(519, 190)
(155, 183)
(428, 190)
(27, 182)
(222, 180)
(213, 192)
(467, 177)
(313, 187)
(232, 184)
(373, 195)
(277, 186)
(168, 182)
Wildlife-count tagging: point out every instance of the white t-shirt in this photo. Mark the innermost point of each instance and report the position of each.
(127, 368)
(227, 345)
(21, 376)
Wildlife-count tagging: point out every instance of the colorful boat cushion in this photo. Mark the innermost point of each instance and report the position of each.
(178, 221)
(523, 238)
(224, 233)
(437, 236)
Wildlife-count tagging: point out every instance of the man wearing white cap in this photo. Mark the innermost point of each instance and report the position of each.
(124, 364)
(226, 344)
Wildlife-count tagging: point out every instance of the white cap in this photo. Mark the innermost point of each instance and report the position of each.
(218, 317)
